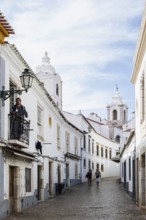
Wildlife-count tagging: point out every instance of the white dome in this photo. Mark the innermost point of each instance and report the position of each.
(46, 67)
(116, 99)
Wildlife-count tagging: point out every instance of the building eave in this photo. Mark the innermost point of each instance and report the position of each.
(5, 28)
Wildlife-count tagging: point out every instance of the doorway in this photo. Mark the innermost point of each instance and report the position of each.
(59, 174)
(67, 175)
(50, 178)
(39, 183)
(133, 170)
(14, 178)
(125, 175)
(143, 180)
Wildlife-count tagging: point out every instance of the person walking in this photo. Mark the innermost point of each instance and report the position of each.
(97, 176)
(89, 177)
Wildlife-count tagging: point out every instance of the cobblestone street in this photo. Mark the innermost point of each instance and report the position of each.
(83, 202)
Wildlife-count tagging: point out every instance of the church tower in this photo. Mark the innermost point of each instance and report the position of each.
(117, 111)
(52, 81)
(117, 116)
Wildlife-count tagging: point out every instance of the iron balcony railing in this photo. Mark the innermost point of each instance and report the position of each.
(19, 128)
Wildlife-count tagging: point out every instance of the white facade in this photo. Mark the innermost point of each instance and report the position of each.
(97, 149)
(139, 79)
(30, 175)
(127, 163)
(70, 144)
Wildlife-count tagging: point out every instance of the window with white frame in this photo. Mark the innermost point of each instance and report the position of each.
(76, 145)
(84, 142)
(67, 141)
(89, 142)
(92, 146)
(110, 154)
(97, 166)
(58, 136)
(106, 153)
(40, 121)
(101, 151)
(97, 149)
(102, 167)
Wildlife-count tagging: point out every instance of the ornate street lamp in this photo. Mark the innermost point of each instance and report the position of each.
(26, 81)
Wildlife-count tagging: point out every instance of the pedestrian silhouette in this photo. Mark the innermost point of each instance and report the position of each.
(97, 175)
(89, 177)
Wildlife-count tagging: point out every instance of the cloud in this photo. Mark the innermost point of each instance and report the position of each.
(90, 43)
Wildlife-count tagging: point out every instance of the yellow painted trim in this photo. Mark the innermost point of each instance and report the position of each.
(3, 34)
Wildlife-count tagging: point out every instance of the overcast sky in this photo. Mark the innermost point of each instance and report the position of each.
(91, 44)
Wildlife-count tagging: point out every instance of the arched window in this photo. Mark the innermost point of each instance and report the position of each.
(115, 115)
(117, 139)
(57, 89)
(124, 115)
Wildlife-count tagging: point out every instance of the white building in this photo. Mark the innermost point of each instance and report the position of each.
(46, 157)
(139, 79)
(127, 163)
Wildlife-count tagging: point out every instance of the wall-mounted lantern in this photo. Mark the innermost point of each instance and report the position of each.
(26, 81)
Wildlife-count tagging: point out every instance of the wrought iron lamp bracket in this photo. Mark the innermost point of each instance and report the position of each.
(5, 94)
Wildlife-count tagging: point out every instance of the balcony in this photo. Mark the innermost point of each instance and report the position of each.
(19, 129)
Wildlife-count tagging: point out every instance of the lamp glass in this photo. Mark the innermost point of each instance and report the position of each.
(26, 79)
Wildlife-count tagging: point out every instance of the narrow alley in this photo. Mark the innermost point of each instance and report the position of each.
(82, 202)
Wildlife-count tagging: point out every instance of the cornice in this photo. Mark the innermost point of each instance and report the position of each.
(140, 49)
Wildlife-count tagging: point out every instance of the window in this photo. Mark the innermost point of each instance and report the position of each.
(115, 115)
(124, 115)
(57, 89)
(101, 151)
(92, 146)
(89, 164)
(58, 136)
(102, 167)
(40, 122)
(117, 139)
(110, 154)
(97, 150)
(97, 166)
(67, 141)
(84, 142)
(117, 152)
(89, 142)
(76, 145)
(27, 180)
(84, 163)
(92, 166)
(106, 153)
